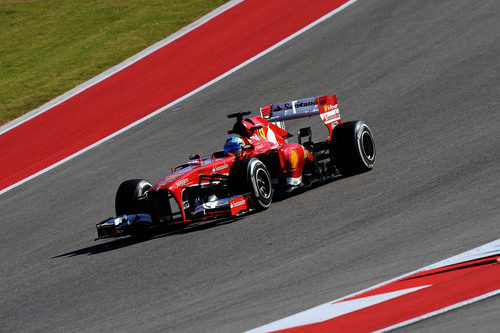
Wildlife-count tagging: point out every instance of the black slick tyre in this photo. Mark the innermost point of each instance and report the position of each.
(251, 176)
(353, 147)
(130, 197)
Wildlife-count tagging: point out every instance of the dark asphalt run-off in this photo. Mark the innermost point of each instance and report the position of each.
(423, 74)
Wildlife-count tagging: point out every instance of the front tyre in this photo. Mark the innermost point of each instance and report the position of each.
(131, 197)
(251, 176)
(353, 147)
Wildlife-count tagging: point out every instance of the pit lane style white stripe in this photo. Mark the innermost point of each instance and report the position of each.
(489, 249)
(331, 310)
(231, 71)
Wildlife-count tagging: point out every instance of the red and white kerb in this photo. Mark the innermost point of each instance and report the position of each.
(448, 284)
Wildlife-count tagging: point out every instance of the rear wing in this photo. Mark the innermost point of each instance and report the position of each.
(325, 106)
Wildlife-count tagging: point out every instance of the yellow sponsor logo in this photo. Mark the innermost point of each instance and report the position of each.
(293, 159)
(261, 132)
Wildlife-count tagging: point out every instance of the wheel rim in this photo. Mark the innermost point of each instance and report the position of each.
(367, 145)
(263, 183)
(146, 187)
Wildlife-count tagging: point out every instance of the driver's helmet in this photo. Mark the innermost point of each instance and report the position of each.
(234, 145)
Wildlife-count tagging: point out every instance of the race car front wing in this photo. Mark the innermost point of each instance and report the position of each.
(128, 224)
(122, 225)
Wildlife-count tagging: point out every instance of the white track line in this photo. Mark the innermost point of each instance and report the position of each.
(443, 310)
(113, 70)
(331, 310)
(491, 248)
(263, 53)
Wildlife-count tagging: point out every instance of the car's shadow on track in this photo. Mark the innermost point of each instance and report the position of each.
(117, 243)
(285, 196)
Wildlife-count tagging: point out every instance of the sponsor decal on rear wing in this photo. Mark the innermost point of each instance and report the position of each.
(290, 110)
(325, 106)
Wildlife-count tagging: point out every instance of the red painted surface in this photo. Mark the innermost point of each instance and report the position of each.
(448, 285)
(238, 204)
(160, 78)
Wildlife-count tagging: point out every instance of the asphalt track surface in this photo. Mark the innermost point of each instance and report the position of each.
(423, 74)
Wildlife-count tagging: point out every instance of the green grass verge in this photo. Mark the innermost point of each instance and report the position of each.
(48, 47)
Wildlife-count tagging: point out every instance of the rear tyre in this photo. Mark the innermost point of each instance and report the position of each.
(131, 199)
(353, 147)
(251, 176)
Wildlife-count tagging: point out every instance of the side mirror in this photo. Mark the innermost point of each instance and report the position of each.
(193, 157)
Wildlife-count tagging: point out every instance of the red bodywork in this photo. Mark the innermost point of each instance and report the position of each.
(285, 161)
(265, 140)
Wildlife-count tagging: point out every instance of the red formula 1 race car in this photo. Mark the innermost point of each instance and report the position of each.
(257, 163)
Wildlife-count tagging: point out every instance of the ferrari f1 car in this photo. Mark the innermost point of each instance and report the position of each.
(256, 165)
